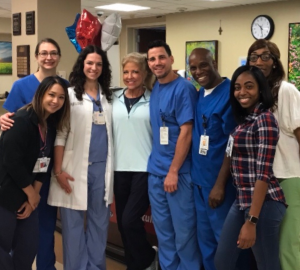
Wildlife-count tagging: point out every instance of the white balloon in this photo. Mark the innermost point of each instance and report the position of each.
(111, 29)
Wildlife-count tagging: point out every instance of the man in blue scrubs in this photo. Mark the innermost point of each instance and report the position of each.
(172, 106)
(213, 189)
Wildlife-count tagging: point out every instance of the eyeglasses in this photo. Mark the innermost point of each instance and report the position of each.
(45, 54)
(264, 57)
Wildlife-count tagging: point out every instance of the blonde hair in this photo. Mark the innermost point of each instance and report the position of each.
(141, 61)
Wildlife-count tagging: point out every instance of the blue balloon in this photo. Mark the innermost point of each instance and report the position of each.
(71, 32)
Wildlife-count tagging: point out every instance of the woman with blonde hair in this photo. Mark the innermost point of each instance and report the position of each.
(132, 134)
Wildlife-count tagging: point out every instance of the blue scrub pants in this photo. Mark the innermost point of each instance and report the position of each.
(45, 258)
(266, 247)
(85, 249)
(210, 221)
(174, 219)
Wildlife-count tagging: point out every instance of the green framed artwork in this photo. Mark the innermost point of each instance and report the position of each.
(211, 45)
(5, 58)
(294, 54)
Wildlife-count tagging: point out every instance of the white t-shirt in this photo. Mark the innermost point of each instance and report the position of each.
(287, 157)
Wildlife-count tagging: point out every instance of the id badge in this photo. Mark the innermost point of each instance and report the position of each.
(98, 118)
(41, 165)
(164, 135)
(204, 145)
(229, 146)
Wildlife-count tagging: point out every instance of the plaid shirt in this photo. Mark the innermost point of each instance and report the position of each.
(253, 154)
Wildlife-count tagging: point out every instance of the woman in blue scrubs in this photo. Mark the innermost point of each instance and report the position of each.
(82, 184)
(47, 54)
(26, 150)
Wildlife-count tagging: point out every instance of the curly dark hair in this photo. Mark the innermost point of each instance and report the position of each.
(77, 77)
(277, 74)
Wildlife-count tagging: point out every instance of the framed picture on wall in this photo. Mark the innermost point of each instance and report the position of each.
(294, 54)
(211, 45)
(5, 58)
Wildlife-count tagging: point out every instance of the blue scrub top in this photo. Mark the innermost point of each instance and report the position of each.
(216, 108)
(99, 140)
(174, 103)
(22, 93)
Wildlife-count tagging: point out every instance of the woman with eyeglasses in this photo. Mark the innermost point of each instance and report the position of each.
(47, 54)
(266, 56)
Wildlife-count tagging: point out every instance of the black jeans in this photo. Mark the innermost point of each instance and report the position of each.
(18, 240)
(132, 201)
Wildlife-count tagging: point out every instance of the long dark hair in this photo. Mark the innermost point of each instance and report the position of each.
(265, 96)
(277, 74)
(60, 118)
(77, 78)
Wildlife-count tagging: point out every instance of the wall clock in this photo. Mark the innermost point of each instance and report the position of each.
(262, 27)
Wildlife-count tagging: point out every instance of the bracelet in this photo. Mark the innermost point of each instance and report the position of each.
(57, 174)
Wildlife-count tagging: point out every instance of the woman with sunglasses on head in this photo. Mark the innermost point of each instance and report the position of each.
(82, 184)
(255, 217)
(266, 56)
(47, 54)
(26, 155)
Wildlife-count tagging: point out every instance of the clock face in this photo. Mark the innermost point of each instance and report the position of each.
(262, 27)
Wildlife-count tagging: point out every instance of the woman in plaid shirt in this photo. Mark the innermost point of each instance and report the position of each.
(265, 55)
(254, 218)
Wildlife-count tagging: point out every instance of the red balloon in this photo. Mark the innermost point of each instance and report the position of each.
(88, 30)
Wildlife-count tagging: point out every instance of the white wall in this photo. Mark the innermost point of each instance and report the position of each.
(113, 55)
(235, 39)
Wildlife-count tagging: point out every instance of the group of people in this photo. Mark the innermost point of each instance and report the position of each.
(218, 166)
(246, 132)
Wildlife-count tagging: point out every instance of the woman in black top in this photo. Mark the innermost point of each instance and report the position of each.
(25, 154)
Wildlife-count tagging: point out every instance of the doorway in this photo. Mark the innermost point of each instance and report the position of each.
(146, 35)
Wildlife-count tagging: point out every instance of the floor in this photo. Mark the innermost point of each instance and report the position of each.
(110, 264)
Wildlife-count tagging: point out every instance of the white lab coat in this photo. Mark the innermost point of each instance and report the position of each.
(76, 154)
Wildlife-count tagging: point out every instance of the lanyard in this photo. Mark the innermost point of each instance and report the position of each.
(44, 140)
(204, 123)
(98, 103)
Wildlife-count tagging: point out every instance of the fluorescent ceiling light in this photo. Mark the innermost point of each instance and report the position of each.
(122, 7)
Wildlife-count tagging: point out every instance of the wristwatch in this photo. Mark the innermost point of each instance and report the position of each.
(253, 219)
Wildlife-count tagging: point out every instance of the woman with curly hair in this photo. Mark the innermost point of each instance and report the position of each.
(265, 55)
(82, 182)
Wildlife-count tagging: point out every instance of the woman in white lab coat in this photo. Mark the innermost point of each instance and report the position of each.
(83, 164)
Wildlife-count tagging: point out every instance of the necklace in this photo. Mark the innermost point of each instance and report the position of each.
(133, 100)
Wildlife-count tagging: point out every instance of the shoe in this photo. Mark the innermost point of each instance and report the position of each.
(154, 264)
